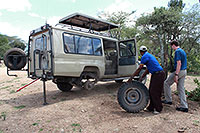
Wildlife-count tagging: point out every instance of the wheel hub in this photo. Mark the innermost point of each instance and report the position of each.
(133, 96)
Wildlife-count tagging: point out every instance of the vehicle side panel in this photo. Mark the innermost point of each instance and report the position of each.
(66, 64)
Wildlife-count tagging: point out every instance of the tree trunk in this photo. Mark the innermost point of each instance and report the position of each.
(161, 49)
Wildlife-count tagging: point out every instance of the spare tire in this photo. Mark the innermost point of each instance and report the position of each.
(15, 59)
(133, 97)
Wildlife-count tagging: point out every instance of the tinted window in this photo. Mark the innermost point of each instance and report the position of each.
(83, 45)
(127, 48)
(97, 46)
(69, 43)
(40, 43)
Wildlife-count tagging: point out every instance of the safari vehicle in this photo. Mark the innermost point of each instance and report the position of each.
(76, 52)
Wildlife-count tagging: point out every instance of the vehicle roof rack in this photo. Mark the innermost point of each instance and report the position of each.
(88, 22)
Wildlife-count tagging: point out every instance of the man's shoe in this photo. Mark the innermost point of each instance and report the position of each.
(166, 102)
(147, 110)
(182, 109)
(156, 112)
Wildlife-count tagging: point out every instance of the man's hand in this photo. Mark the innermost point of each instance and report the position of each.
(130, 79)
(136, 73)
(140, 79)
(176, 79)
(178, 68)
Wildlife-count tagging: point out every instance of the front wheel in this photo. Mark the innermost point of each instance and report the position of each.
(64, 86)
(133, 97)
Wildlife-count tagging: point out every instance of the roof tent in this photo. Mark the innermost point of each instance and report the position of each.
(88, 22)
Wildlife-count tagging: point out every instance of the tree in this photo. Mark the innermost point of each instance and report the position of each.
(190, 37)
(120, 18)
(176, 4)
(160, 26)
(16, 42)
(7, 42)
(3, 45)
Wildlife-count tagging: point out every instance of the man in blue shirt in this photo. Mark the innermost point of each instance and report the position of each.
(156, 82)
(180, 67)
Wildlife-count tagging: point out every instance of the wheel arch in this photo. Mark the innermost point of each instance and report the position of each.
(92, 69)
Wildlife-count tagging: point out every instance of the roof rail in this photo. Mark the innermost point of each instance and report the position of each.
(88, 22)
(84, 30)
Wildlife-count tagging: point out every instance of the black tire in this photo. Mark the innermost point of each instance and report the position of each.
(15, 59)
(119, 81)
(64, 86)
(133, 97)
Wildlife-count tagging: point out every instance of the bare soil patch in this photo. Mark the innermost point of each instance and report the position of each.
(94, 111)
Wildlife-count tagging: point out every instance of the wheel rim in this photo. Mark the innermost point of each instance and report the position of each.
(132, 96)
(89, 85)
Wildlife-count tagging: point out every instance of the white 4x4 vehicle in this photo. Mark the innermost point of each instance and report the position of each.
(76, 52)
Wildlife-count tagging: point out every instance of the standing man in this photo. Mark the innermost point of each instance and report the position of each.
(180, 66)
(156, 82)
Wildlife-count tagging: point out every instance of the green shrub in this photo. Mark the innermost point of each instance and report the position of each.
(195, 94)
(193, 64)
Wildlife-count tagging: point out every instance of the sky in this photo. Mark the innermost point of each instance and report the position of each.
(19, 17)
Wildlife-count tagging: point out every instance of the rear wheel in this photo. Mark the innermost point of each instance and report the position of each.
(64, 86)
(133, 97)
(89, 85)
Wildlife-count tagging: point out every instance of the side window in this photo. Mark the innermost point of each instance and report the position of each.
(44, 42)
(97, 46)
(127, 48)
(83, 45)
(69, 43)
(123, 51)
(41, 42)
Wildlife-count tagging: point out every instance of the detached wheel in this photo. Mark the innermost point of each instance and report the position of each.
(64, 86)
(15, 59)
(133, 97)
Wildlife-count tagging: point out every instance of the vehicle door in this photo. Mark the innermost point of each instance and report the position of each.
(127, 57)
(42, 54)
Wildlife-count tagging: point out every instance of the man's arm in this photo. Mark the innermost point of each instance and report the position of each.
(178, 68)
(136, 72)
(143, 75)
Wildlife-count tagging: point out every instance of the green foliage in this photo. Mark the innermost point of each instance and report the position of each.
(3, 45)
(195, 94)
(121, 19)
(3, 116)
(35, 124)
(195, 123)
(193, 63)
(76, 127)
(20, 107)
(161, 26)
(7, 42)
(176, 4)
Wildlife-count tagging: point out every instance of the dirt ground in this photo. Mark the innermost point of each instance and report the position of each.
(95, 111)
